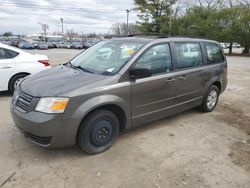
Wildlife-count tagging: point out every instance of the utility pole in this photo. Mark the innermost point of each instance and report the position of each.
(62, 25)
(170, 21)
(170, 24)
(128, 11)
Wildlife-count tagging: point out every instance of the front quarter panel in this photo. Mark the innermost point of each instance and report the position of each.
(117, 94)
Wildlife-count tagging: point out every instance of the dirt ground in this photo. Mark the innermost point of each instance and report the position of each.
(188, 150)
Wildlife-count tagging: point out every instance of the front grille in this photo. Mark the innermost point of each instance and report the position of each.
(40, 140)
(23, 101)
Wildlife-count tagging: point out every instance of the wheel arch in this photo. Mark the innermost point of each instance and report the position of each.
(114, 103)
(217, 81)
(218, 85)
(26, 73)
(114, 108)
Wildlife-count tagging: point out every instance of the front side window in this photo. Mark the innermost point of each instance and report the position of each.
(214, 53)
(188, 55)
(157, 59)
(107, 57)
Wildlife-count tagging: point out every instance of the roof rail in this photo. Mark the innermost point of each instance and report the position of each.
(157, 35)
(188, 36)
(162, 35)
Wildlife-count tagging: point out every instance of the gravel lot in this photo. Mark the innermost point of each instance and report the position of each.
(189, 150)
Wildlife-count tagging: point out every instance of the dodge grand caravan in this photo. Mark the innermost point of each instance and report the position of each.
(117, 85)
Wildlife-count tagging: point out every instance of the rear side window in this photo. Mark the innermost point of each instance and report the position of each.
(11, 53)
(188, 55)
(7, 54)
(3, 54)
(214, 53)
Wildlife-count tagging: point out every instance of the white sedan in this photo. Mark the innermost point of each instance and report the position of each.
(15, 64)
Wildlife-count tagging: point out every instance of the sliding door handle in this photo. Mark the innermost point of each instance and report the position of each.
(170, 80)
(183, 77)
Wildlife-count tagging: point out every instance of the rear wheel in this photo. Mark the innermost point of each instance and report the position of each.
(15, 81)
(211, 99)
(98, 132)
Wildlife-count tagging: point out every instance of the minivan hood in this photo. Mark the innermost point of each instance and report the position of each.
(60, 80)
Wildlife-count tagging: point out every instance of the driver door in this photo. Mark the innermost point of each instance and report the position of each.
(153, 97)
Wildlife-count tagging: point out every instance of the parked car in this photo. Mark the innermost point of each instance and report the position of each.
(42, 46)
(236, 45)
(59, 44)
(51, 44)
(26, 45)
(78, 45)
(92, 98)
(15, 64)
(15, 43)
(67, 45)
(224, 45)
(6, 42)
(88, 44)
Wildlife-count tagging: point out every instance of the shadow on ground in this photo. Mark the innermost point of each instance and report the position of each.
(5, 94)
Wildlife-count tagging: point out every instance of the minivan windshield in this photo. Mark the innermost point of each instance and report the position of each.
(107, 57)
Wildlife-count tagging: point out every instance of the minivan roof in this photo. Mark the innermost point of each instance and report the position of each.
(159, 38)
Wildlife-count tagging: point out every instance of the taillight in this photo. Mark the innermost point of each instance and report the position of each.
(45, 62)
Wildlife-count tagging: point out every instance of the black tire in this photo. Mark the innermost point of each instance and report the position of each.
(98, 131)
(205, 107)
(13, 81)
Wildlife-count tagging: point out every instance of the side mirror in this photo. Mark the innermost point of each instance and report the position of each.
(139, 73)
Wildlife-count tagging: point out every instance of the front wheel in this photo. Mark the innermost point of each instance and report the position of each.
(15, 81)
(211, 99)
(98, 132)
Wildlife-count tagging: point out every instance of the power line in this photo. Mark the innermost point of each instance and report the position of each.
(72, 9)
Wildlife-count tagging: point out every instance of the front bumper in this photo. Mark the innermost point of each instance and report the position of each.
(46, 130)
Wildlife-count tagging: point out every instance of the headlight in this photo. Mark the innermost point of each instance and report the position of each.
(15, 95)
(52, 105)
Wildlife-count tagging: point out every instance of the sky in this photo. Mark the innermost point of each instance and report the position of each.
(84, 16)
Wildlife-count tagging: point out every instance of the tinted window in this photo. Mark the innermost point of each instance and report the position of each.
(157, 59)
(188, 55)
(3, 54)
(7, 54)
(11, 54)
(214, 53)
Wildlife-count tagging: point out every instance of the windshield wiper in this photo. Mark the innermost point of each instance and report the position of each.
(85, 70)
(68, 64)
(78, 67)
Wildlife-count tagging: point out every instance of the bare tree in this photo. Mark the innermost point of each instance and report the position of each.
(211, 3)
(45, 27)
(244, 3)
(232, 3)
(120, 29)
(71, 34)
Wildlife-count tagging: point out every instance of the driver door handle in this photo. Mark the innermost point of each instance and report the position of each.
(6, 67)
(183, 77)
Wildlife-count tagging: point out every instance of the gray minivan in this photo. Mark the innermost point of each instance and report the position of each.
(117, 85)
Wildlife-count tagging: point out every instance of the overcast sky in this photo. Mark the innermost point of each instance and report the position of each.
(82, 15)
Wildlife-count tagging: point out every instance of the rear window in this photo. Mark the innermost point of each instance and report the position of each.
(214, 53)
